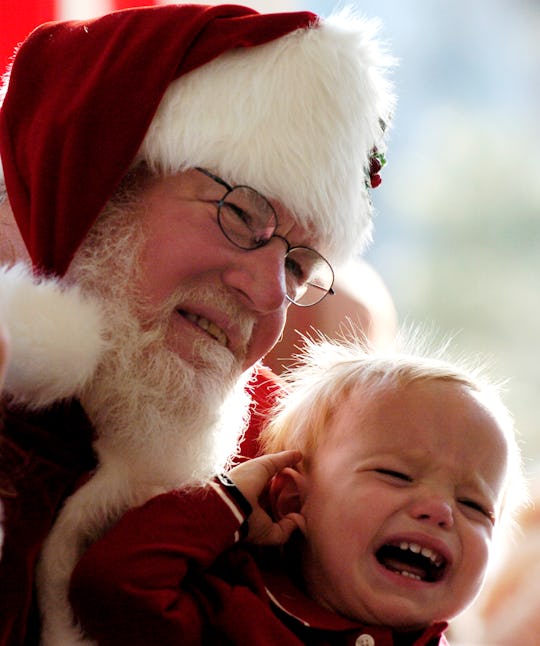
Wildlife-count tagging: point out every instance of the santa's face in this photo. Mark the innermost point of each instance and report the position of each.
(219, 296)
(169, 417)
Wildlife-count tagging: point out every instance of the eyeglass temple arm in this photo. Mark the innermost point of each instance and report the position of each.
(217, 179)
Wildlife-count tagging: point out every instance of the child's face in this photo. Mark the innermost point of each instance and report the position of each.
(411, 469)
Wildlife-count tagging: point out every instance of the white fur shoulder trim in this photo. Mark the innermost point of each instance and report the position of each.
(55, 336)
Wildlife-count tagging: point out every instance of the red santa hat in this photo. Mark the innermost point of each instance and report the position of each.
(288, 103)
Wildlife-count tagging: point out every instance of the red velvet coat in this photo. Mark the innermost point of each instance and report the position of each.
(170, 573)
(42, 458)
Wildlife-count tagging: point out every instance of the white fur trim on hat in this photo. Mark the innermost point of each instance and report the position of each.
(295, 118)
(55, 337)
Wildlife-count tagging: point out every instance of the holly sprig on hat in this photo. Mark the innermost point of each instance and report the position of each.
(376, 162)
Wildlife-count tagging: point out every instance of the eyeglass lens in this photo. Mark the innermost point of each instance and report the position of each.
(246, 218)
(309, 276)
(249, 221)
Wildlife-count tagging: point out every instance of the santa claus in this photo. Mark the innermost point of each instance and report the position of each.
(175, 177)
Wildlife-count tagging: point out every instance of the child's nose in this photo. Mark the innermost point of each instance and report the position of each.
(434, 509)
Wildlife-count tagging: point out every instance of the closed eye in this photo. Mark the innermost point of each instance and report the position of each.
(294, 270)
(475, 506)
(398, 475)
(240, 213)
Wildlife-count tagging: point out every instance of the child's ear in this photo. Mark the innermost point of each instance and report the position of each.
(287, 494)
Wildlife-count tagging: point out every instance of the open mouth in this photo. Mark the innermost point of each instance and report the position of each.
(210, 328)
(413, 561)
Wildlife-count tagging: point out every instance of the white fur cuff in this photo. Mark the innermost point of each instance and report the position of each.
(55, 336)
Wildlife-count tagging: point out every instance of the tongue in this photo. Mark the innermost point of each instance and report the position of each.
(398, 565)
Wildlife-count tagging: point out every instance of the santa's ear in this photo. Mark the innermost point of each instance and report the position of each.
(287, 493)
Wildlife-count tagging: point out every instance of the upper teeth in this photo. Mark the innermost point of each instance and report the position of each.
(212, 329)
(435, 558)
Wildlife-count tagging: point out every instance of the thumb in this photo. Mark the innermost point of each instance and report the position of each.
(280, 531)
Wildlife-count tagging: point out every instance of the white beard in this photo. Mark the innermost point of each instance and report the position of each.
(167, 418)
(161, 422)
(173, 419)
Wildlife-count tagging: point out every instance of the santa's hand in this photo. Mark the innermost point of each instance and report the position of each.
(252, 478)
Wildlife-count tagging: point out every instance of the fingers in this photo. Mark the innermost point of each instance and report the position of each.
(251, 477)
(275, 462)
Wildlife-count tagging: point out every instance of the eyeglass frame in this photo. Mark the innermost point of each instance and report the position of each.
(263, 243)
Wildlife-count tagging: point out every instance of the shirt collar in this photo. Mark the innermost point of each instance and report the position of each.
(289, 600)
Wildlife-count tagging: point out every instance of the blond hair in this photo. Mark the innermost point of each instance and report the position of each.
(328, 370)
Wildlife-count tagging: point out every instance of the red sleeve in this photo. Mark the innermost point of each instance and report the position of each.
(128, 587)
(265, 387)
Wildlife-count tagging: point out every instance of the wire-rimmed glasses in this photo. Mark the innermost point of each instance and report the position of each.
(249, 221)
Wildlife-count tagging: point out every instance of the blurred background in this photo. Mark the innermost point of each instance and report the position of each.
(457, 231)
(457, 228)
